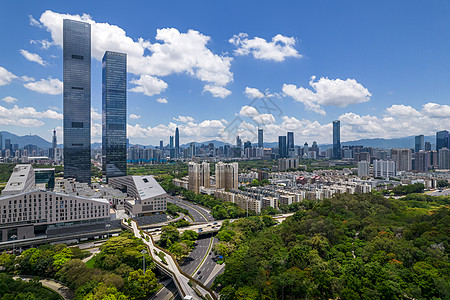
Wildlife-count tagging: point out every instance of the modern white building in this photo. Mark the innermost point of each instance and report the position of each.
(363, 168)
(21, 180)
(384, 168)
(149, 198)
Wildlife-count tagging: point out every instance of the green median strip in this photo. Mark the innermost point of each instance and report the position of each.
(206, 255)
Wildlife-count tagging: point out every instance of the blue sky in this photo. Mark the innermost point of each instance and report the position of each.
(382, 67)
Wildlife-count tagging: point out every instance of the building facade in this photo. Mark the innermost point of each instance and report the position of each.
(227, 175)
(337, 139)
(199, 175)
(402, 158)
(77, 100)
(384, 168)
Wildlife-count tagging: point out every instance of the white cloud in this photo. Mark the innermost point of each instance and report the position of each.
(34, 22)
(277, 50)
(184, 119)
(26, 116)
(248, 111)
(173, 52)
(264, 119)
(27, 78)
(253, 93)
(134, 116)
(51, 86)
(33, 57)
(95, 115)
(148, 85)
(9, 99)
(434, 110)
(44, 44)
(6, 77)
(334, 92)
(162, 100)
(217, 91)
(401, 110)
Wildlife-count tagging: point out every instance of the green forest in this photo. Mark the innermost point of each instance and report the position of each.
(113, 274)
(349, 247)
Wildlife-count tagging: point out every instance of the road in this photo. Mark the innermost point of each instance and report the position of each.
(440, 193)
(200, 214)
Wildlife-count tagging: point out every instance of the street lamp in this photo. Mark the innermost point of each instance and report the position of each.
(143, 259)
(14, 237)
(107, 229)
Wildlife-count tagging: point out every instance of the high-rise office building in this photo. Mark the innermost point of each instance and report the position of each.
(282, 146)
(198, 176)
(52, 150)
(8, 145)
(238, 142)
(290, 140)
(171, 146)
(77, 100)
(337, 139)
(227, 176)
(260, 138)
(177, 143)
(419, 143)
(114, 119)
(442, 140)
(402, 158)
(1, 142)
(427, 146)
(161, 144)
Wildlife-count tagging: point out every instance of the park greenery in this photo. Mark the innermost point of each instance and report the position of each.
(180, 245)
(361, 246)
(114, 273)
(11, 289)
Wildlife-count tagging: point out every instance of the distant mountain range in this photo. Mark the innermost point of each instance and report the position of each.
(403, 142)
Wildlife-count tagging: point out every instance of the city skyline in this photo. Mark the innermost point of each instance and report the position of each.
(310, 87)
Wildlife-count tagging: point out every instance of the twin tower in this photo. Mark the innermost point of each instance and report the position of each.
(77, 105)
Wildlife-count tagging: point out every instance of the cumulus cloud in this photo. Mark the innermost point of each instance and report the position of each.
(26, 116)
(248, 111)
(6, 77)
(217, 91)
(173, 52)
(184, 119)
(435, 110)
(264, 119)
(32, 57)
(134, 116)
(334, 92)
(162, 100)
(253, 93)
(95, 115)
(51, 86)
(277, 50)
(148, 85)
(401, 110)
(27, 78)
(9, 99)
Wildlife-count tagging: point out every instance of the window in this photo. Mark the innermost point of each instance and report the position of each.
(77, 88)
(77, 125)
(80, 57)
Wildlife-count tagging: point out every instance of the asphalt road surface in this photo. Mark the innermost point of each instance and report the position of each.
(193, 260)
(440, 193)
(199, 214)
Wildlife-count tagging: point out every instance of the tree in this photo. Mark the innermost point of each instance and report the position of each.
(169, 235)
(139, 285)
(189, 235)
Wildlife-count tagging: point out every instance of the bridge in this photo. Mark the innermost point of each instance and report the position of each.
(167, 264)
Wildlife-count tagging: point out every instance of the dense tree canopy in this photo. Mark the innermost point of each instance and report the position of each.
(348, 247)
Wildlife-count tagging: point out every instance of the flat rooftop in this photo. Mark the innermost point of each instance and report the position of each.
(147, 187)
(18, 178)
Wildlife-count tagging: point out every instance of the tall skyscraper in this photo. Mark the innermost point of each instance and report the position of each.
(114, 119)
(77, 100)
(52, 150)
(337, 139)
(172, 150)
(290, 140)
(427, 146)
(442, 140)
(260, 138)
(282, 146)
(161, 144)
(8, 145)
(419, 143)
(422, 161)
(444, 158)
(1, 142)
(177, 143)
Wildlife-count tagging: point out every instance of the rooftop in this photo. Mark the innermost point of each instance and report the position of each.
(18, 179)
(147, 187)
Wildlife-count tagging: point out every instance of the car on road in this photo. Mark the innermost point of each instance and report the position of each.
(199, 272)
(215, 223)
(200, 277)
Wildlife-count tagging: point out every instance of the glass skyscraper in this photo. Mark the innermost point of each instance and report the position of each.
(442, 140)
(114, 114)
(290, 140)
(260, 138)
(77, 100)
(177, 143)
(337, 139)
(419, 143)
(282, 150)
